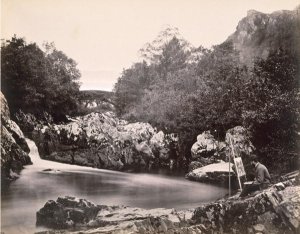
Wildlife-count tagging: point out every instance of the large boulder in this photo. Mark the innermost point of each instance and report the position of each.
(164, 146)
(66, 211)
(238, 143)
(270, 211)
(239, 138)
(217, 173)
(14, 149)
(207, 149)
(5, 113)
(102, 140)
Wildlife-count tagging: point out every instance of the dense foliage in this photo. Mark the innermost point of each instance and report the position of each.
(38, 81)
(216, 92)
(271, 108)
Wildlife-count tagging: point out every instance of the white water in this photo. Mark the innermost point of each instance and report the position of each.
(25, 196)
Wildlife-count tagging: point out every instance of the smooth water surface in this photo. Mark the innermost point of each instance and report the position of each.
(25, 196)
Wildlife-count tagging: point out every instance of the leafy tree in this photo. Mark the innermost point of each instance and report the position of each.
(172, 58)
(271, 107)
(37, 81)
(21, 68)
(64, 77)
(131, 85)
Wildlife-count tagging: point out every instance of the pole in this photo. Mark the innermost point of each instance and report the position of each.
(229, 178)
(240, 184)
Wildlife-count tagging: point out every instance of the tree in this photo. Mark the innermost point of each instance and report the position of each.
(271, 106)
(23, 70)
(64, 77)
(131, 85)
(172, 58)
(37, 81)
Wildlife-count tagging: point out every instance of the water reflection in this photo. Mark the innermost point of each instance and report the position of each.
(28, 194)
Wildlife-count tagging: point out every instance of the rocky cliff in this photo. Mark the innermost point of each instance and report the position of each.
(275, 210)
(258, 34)
(102, 140)
(210, 157)
(14, 149)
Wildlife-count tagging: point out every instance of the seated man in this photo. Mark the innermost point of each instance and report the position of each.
(262, 179)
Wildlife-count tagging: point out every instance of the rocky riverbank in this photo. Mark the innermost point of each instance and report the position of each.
(274, 210)
(14, 149)
(102, 140)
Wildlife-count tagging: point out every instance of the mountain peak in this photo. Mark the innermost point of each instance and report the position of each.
(151, 50)
(258, 34)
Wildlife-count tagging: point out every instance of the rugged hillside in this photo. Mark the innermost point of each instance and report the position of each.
(14, 148)
(258, 34)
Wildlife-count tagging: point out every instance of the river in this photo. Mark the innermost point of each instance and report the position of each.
(25, 196)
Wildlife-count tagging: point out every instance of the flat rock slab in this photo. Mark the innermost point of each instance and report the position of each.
(270, 211)
(213, 173)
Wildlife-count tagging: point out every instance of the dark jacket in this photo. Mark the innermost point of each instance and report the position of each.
(261, 174)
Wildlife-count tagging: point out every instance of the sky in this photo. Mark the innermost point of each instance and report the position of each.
(104, 36)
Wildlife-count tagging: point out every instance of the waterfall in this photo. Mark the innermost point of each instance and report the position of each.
(43, 164)
(34, 153)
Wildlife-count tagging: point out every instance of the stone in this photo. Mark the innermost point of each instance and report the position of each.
(102, 140)
(279, 186)
(194, 165)
(205, 146)
(212, 173)
(239, 138)
(79, 214)
(270, 211)
(64, 211)
(14, 149)
(259, 228)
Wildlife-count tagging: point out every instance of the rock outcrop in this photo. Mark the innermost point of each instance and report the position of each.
(207, 150)
(258, 34)
(70, 212)
(102, 141)
(14, 149)
(67, 212)
(271, 211)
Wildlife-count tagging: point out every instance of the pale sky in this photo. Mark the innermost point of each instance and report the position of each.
(104, 36)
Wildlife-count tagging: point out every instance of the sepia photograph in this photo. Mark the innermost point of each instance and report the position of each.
(150, 116)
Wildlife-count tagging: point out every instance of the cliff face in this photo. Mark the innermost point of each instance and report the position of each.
(14, 149)
(258, 34)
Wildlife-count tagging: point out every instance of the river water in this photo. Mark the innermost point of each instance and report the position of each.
(25, 196)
